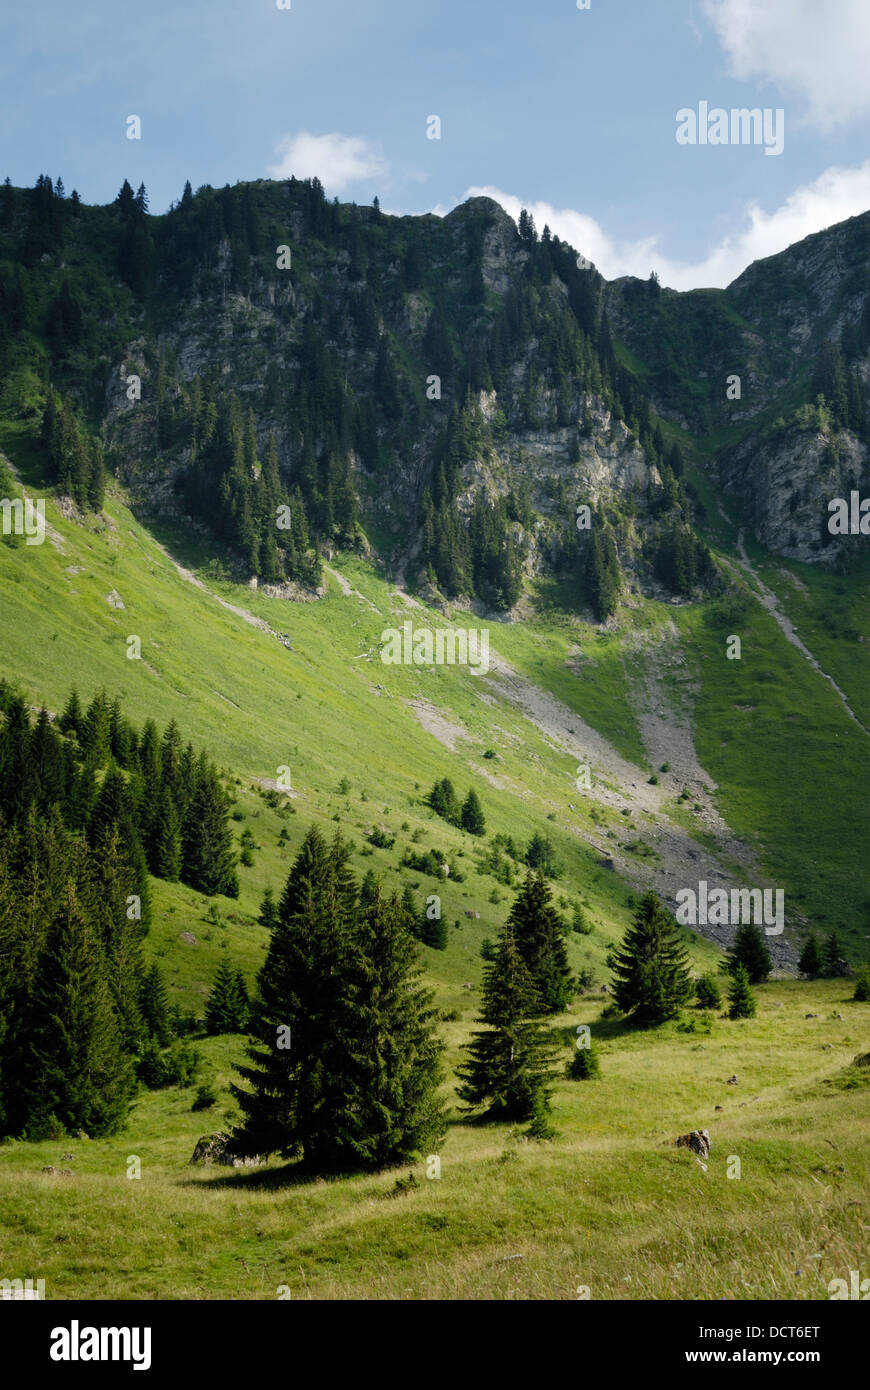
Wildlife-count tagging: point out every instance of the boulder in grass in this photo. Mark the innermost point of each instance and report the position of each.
(215, 1148)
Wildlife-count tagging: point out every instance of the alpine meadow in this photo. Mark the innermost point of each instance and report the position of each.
(434, 699)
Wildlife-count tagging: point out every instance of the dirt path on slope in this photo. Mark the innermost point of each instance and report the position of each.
(243, 613)
(768, 599)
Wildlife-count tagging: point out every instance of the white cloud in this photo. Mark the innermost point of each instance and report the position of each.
(832, 197)
(817, 49)
(335, 159)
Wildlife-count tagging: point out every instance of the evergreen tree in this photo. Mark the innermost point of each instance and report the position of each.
(71, 720)
(862, 984)
(741, 1000)
(810, 963)
(509, 1067)
(540, 938)
(651, 977)
(268, 917)
(208, 858)
(585, 1065)
(834, 961)
(154, 1006)
(472, 818)
(165, 859)
(394, 1053)
(227, 1008)
(443, 800)
(298, 1053)
(77, 1074)
(748, 949)
(707, 992)
(433, 932)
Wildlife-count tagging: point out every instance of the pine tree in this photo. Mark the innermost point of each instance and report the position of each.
(833, 956)
(862, 984)
(748, 949)
(77, 1074)
(651, 977)
(585, 1065)
(472, 818)
(810, 963)
(741, 1000)
(393, 1063)
(707, 992)
(165, 858)
(433, 932)
(154, 1006)
(509, 1067)
(540, 939)
(227, 1008)
(71, 720)
(111, 881)
(268, 917)
(297, 1054)
(443, 800)
(209, 861)
(96, 480)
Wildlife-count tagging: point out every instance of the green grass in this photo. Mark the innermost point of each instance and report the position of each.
(609, 1204)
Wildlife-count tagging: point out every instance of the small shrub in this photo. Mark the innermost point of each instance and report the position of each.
(584, 1065)
(707, 993)
(862, 984)
(403, 1185)
(205, 1098)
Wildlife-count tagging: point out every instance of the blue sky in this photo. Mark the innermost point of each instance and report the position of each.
(570, 112)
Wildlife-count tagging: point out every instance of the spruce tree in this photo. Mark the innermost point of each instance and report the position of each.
(651, 976)
(748, 949)
(154, 1006)
(433, 932)
(472, 818)
(741, 1000)
(165, 859)
(862, 984)
(297, 1054)
(227, 1008)
(268, 917)
(77, 1074)
(833, 956)
(208, 857)
(540, 939)
(585, 1065)
(394, 1054)
(810, 963)
(509, 1067)
(71, 720)
(707, 992)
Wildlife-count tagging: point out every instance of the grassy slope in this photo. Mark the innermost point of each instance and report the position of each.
(610, 1204)
(606, 1205)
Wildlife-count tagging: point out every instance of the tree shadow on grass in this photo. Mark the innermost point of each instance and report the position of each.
(261, 1179)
